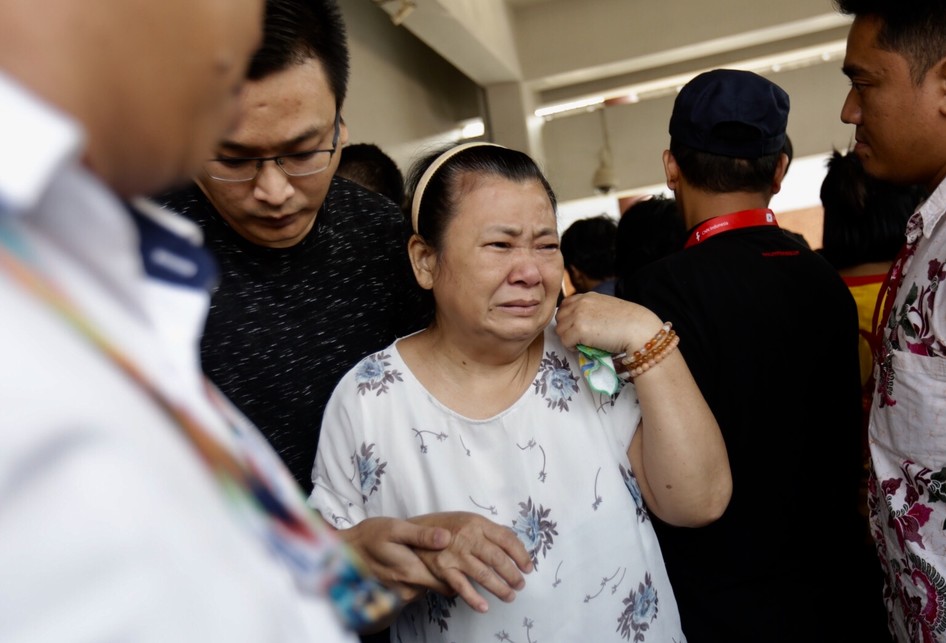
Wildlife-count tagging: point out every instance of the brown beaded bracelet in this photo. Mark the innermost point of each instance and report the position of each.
(663, 343)
(654, 349)
(655, 358)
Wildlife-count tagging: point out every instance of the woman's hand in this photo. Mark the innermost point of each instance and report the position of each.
(390, 546)
(479, 550)
(605, 322)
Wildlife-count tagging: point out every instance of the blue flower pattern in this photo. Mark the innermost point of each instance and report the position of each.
(640, 610)
(558, 387)
(374, 374)
(555, 381)
(369, 469)
(630, 481)
(534, 529)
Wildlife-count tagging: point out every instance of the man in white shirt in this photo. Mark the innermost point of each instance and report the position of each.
(135, 503)
(896, 62)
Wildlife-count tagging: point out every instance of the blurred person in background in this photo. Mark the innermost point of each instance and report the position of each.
(648, 230)
(588, 250)
(367, 165)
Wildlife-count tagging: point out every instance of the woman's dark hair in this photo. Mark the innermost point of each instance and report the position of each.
(647, 231)
(864, 218)
(457, 176)
(295, 31)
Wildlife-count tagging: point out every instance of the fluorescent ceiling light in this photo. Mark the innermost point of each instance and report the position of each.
(784, 61)
(569, 106)
(472, 128)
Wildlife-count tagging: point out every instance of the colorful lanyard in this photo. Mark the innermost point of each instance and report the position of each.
(725, 223)
(320, 562)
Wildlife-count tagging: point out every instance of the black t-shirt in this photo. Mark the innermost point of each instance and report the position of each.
(286, 324)
(770, 333)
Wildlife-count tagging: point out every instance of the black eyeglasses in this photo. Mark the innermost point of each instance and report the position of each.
(242, 169)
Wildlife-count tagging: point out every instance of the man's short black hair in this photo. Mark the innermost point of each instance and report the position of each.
(915, 29)
(299, 30)
(367, 165)
(648, 230)
(588, 244)
(722, 174)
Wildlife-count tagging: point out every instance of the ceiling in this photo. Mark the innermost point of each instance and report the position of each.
(561, 51)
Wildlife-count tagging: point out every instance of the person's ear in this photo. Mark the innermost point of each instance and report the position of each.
(780, 171)
(938, 72)
(342, 132)
(577, 278)
(423, 261)
(671, 170)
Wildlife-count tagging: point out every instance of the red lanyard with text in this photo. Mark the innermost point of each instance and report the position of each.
(734, 221)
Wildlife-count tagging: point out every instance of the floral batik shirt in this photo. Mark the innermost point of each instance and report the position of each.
(907, 495)
(552, 467)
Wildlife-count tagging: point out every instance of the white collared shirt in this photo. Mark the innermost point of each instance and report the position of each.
(111, 527)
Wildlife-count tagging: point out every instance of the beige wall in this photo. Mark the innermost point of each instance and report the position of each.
(563, 36)
(401, 94)
(638, 133)
(406, 98)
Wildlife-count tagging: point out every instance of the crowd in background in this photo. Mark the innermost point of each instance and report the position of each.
(260, 385)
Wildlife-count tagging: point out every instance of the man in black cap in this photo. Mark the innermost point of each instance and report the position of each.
(770, 334)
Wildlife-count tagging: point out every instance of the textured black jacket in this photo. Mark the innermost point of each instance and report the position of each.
(285, 324)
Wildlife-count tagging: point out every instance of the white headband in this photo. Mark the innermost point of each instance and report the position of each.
(429, 173)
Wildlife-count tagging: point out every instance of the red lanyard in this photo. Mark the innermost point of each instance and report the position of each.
(727, 222)
(886, 296)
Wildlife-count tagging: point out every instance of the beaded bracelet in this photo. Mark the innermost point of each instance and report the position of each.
(655, 347)
(654, 351)
(659, 338)
(655, 358)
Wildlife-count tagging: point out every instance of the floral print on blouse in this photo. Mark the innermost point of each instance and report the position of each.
(552, 467)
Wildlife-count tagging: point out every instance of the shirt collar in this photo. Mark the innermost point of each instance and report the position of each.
(932, 209)
(37, 141)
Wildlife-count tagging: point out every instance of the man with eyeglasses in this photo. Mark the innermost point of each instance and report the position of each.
(314, 273)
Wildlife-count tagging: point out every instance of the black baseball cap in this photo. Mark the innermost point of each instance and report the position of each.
(732, 113)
